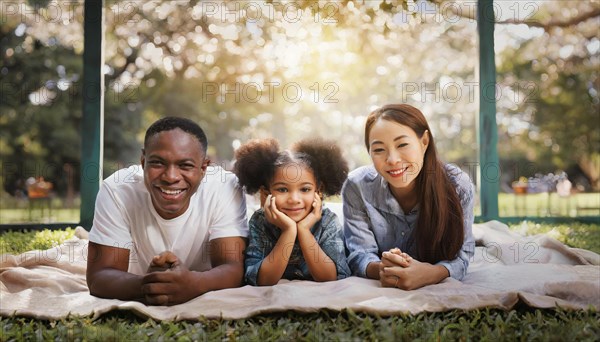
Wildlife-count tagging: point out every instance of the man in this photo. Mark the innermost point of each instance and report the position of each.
(168, 231)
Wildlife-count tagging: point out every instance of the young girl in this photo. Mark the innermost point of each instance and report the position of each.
(407, 217)
(291, 236)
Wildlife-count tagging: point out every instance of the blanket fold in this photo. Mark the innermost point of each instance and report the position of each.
(507, 269)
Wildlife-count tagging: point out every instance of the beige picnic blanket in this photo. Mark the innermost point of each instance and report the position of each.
(507, 269)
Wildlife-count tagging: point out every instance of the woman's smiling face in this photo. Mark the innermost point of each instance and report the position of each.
(397, 153)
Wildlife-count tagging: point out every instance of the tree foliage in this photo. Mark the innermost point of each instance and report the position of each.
(554, 74)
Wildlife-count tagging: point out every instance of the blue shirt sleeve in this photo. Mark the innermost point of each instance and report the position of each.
(332, 244)
(360, 241)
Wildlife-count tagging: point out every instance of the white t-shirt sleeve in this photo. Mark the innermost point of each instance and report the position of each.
(110, 227)
(229, 210)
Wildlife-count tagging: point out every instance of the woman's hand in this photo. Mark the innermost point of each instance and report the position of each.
(395, 257)
(400, 270)
(314, 216)
(276, 217)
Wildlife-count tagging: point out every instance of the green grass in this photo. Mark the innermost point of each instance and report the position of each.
(56, 209)
(549, 205)
(25, 215)
(580, 235)
(323, 326)
(522, 323)
(15, 242)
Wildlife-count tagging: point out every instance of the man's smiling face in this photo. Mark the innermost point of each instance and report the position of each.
(174, 164)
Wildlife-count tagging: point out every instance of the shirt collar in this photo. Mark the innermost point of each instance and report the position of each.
(384, 200)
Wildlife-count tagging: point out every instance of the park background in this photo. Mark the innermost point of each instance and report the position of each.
(291, 70)
(210, 61)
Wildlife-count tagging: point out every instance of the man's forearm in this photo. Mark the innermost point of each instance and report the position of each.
(115, 284)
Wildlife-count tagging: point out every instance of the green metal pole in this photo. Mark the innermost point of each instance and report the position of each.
(489, 166)
(92, 123)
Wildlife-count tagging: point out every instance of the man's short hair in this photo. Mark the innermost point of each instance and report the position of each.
(170, 123)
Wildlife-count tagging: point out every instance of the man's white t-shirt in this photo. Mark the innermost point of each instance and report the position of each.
(125, 218)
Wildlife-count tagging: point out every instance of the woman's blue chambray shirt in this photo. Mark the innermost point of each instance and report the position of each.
(263, 236)
(375, 223)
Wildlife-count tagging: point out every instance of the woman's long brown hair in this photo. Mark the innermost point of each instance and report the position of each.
(439, 233)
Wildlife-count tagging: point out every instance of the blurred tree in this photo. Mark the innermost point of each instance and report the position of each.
(41, 99)
(553, 76)
(247, 69)
(40, 108)
(243, 69)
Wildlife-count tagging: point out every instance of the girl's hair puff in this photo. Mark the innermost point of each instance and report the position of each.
(255, 163)
(329, 166)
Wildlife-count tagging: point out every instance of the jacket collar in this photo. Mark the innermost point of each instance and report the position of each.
(380, 196)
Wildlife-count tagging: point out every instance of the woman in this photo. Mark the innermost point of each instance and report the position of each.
(407, 217)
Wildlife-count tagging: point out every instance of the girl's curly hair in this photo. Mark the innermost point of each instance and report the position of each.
(257, 160)
(255, 163)
(326, 161)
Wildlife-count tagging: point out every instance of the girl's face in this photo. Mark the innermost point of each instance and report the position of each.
(397, 153)
(294, 187)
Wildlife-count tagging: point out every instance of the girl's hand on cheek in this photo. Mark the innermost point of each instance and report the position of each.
(314, 216)
(276, 217)
(264, 193)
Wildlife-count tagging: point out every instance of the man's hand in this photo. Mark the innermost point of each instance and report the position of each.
(163, 262)
(107, 274)
(176, 285)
